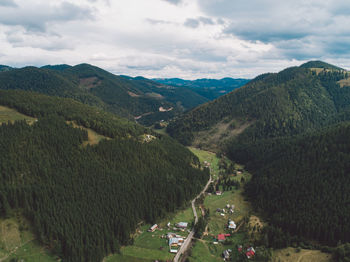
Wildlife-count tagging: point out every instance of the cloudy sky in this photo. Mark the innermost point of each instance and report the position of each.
(175, 38)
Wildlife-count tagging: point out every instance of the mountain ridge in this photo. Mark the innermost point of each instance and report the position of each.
(127, 97)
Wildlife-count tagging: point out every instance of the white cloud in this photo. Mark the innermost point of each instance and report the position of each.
(172, 38)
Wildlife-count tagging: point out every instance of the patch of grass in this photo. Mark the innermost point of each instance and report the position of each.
(151, 246)
(9, 235)
(304, 255)
(148, 246)
(8, 114)
(344, 82)
(201, 252)
(146, 253)
(32, 252)
(18, 242)
(124, 258)
(209, 157)
(93, 137)
(218, 223)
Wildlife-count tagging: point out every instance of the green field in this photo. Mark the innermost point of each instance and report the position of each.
(151, 246)
(18, 242)
(204, 250)
(209, 157)
(8, 114)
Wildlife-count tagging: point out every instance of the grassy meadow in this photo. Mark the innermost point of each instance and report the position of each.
(18, 243)
(8, 114)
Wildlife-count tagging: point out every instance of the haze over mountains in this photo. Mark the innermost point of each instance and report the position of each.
(209, 88)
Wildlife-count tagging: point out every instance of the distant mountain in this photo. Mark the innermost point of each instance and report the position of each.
(320, 64)
(136, 98)
(291, 130)
(209, 88)
(57, 67)
(5, 68)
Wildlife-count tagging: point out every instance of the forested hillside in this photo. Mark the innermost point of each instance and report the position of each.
(288, 103)
(290, 131)
(134, 98)
(209, 88)
(85, 201)
(301, 183)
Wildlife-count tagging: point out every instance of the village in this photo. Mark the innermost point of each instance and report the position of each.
(229, 227)
(226, 235)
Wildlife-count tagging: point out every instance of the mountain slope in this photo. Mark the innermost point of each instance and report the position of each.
(139, 98)
(288, 103)
(301, 183)
(46, 82)
(209, 88)
(85, 201)
(289, 129)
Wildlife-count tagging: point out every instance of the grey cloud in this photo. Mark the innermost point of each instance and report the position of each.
(193, 23)
(175, 2)
(157, 22)
(206, 20)
(297, 29)
(8, 3)
(42, 41)
(36, 18)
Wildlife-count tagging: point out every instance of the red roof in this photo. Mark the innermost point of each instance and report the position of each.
(221, 237)
(227, 235)
(250, 254)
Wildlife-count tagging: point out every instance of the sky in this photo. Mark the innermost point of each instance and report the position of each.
(188, 39)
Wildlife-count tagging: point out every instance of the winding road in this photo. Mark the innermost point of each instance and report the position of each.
(189, 238)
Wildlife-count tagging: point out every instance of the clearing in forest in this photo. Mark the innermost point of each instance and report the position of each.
(8, 114)
(93, 137)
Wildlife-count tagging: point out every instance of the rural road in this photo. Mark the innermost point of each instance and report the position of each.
(189, 238)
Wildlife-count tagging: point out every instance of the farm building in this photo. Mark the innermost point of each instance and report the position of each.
(218, 193)
(153, 228)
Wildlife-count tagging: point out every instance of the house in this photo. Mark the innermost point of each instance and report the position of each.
(218, 193)
(168, 225)
(206, 164)
(153, 228)
(175, 243)
(231, 224)
(250, 252)
(240, 248)
(222, 237)
(182, 225)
